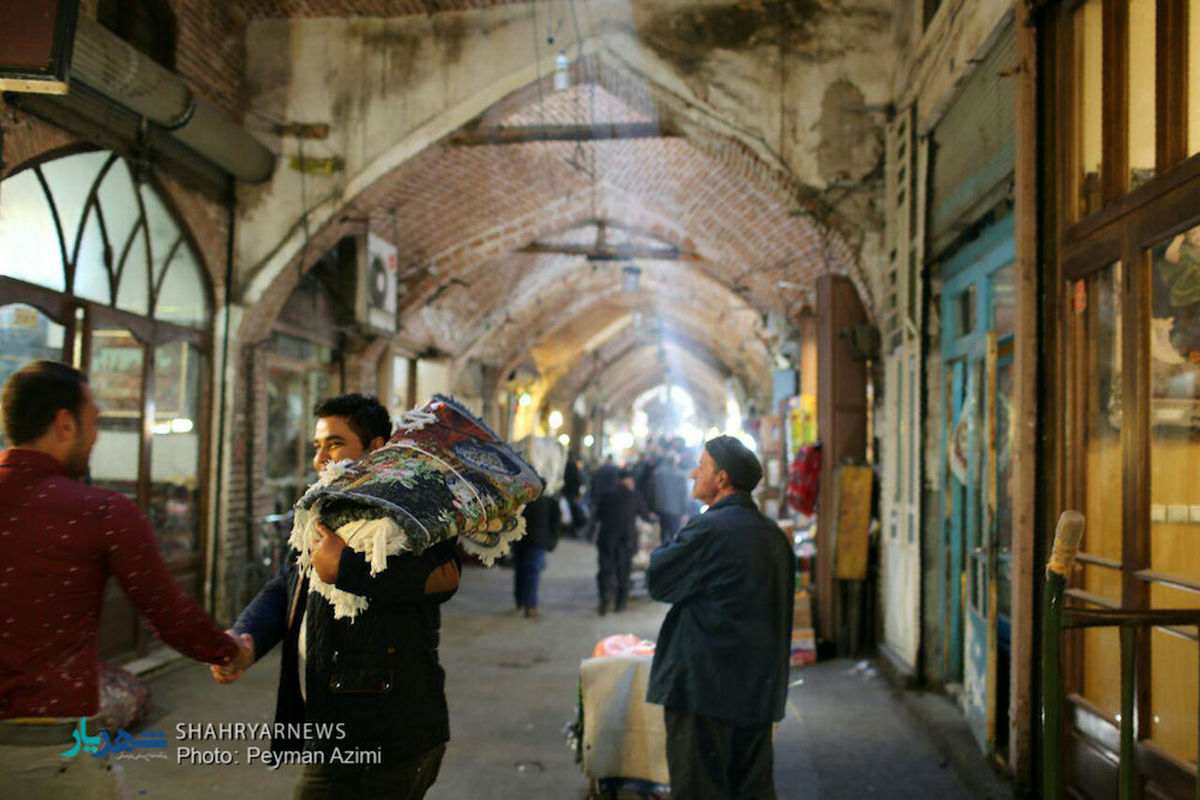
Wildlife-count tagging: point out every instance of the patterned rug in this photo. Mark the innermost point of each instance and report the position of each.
(443, 474)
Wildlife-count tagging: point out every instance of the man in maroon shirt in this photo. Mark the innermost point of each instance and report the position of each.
(59, 541)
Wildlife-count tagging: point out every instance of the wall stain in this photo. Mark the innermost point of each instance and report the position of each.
(398, 47)
(450, 30)
(851, 141)
(687, 39)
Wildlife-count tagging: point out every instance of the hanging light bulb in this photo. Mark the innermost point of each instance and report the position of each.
(562, 71)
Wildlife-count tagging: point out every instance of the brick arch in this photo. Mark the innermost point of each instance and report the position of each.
(628, 343)
(452, 209)
(704, 309)
(527, 278)
(638, 370)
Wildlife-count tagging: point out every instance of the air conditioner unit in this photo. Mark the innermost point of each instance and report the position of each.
(377, 286)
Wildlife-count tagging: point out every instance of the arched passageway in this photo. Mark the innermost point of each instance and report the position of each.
(599, 239)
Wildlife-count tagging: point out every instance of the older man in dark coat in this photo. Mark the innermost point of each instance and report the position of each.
(721, 666)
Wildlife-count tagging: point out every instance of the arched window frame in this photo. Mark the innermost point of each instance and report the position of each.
(82, 317)
(69, 251)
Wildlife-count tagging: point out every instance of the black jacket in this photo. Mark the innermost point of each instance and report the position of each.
(616, 512)
(724, 646)
(543, 524)
(572, 480)
(379, 674)
(606, 476)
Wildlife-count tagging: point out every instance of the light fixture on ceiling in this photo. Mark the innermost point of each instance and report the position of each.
(631, 276)
(562, 71)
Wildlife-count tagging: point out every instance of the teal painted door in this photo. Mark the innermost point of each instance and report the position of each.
(977, 306)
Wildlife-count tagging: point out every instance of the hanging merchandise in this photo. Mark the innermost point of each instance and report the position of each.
(802, 421)
(804, 479)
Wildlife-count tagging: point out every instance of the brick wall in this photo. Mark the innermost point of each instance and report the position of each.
(27, 138)
(247, 465)
(210, 51)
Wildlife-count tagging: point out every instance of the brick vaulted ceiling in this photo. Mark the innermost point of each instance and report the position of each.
(464, 215)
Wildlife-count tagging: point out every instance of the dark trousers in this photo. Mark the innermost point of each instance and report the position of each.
(710, 759)
(612, 581)
(528, 563)
(405, 779)
(668, 525)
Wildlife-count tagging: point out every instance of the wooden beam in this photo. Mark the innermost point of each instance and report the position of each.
(523, 134)
(1026, 471)
(1114, 169)
(613, 252)
(1171, 80)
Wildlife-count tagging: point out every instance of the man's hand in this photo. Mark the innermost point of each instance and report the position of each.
(228, 673)
(328, 554)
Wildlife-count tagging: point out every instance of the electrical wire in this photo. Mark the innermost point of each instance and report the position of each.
(590, 80)
(537, 65)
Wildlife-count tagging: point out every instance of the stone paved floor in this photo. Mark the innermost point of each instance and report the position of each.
(511, 685)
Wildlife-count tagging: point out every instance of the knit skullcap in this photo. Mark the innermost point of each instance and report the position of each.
(736, 459)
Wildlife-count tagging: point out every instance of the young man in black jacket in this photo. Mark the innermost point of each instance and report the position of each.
(370, 689)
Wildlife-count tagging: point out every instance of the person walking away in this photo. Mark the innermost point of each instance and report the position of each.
(616, 540)
(60, 540)
(573, 483)
(543, 524)
(605, 477)
(720, 667)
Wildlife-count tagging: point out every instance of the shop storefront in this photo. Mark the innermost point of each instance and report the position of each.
(97, 271)
(971, 249)
(1121, 298)
(948, 337)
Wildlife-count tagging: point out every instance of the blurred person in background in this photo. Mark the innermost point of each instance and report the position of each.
(669, 495)
(617, 539)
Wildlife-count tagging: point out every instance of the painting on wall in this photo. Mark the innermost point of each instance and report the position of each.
(116, 372)
(175, 380)
(1175, 333)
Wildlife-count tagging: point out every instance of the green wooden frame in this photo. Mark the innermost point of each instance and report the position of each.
(1057, 618)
